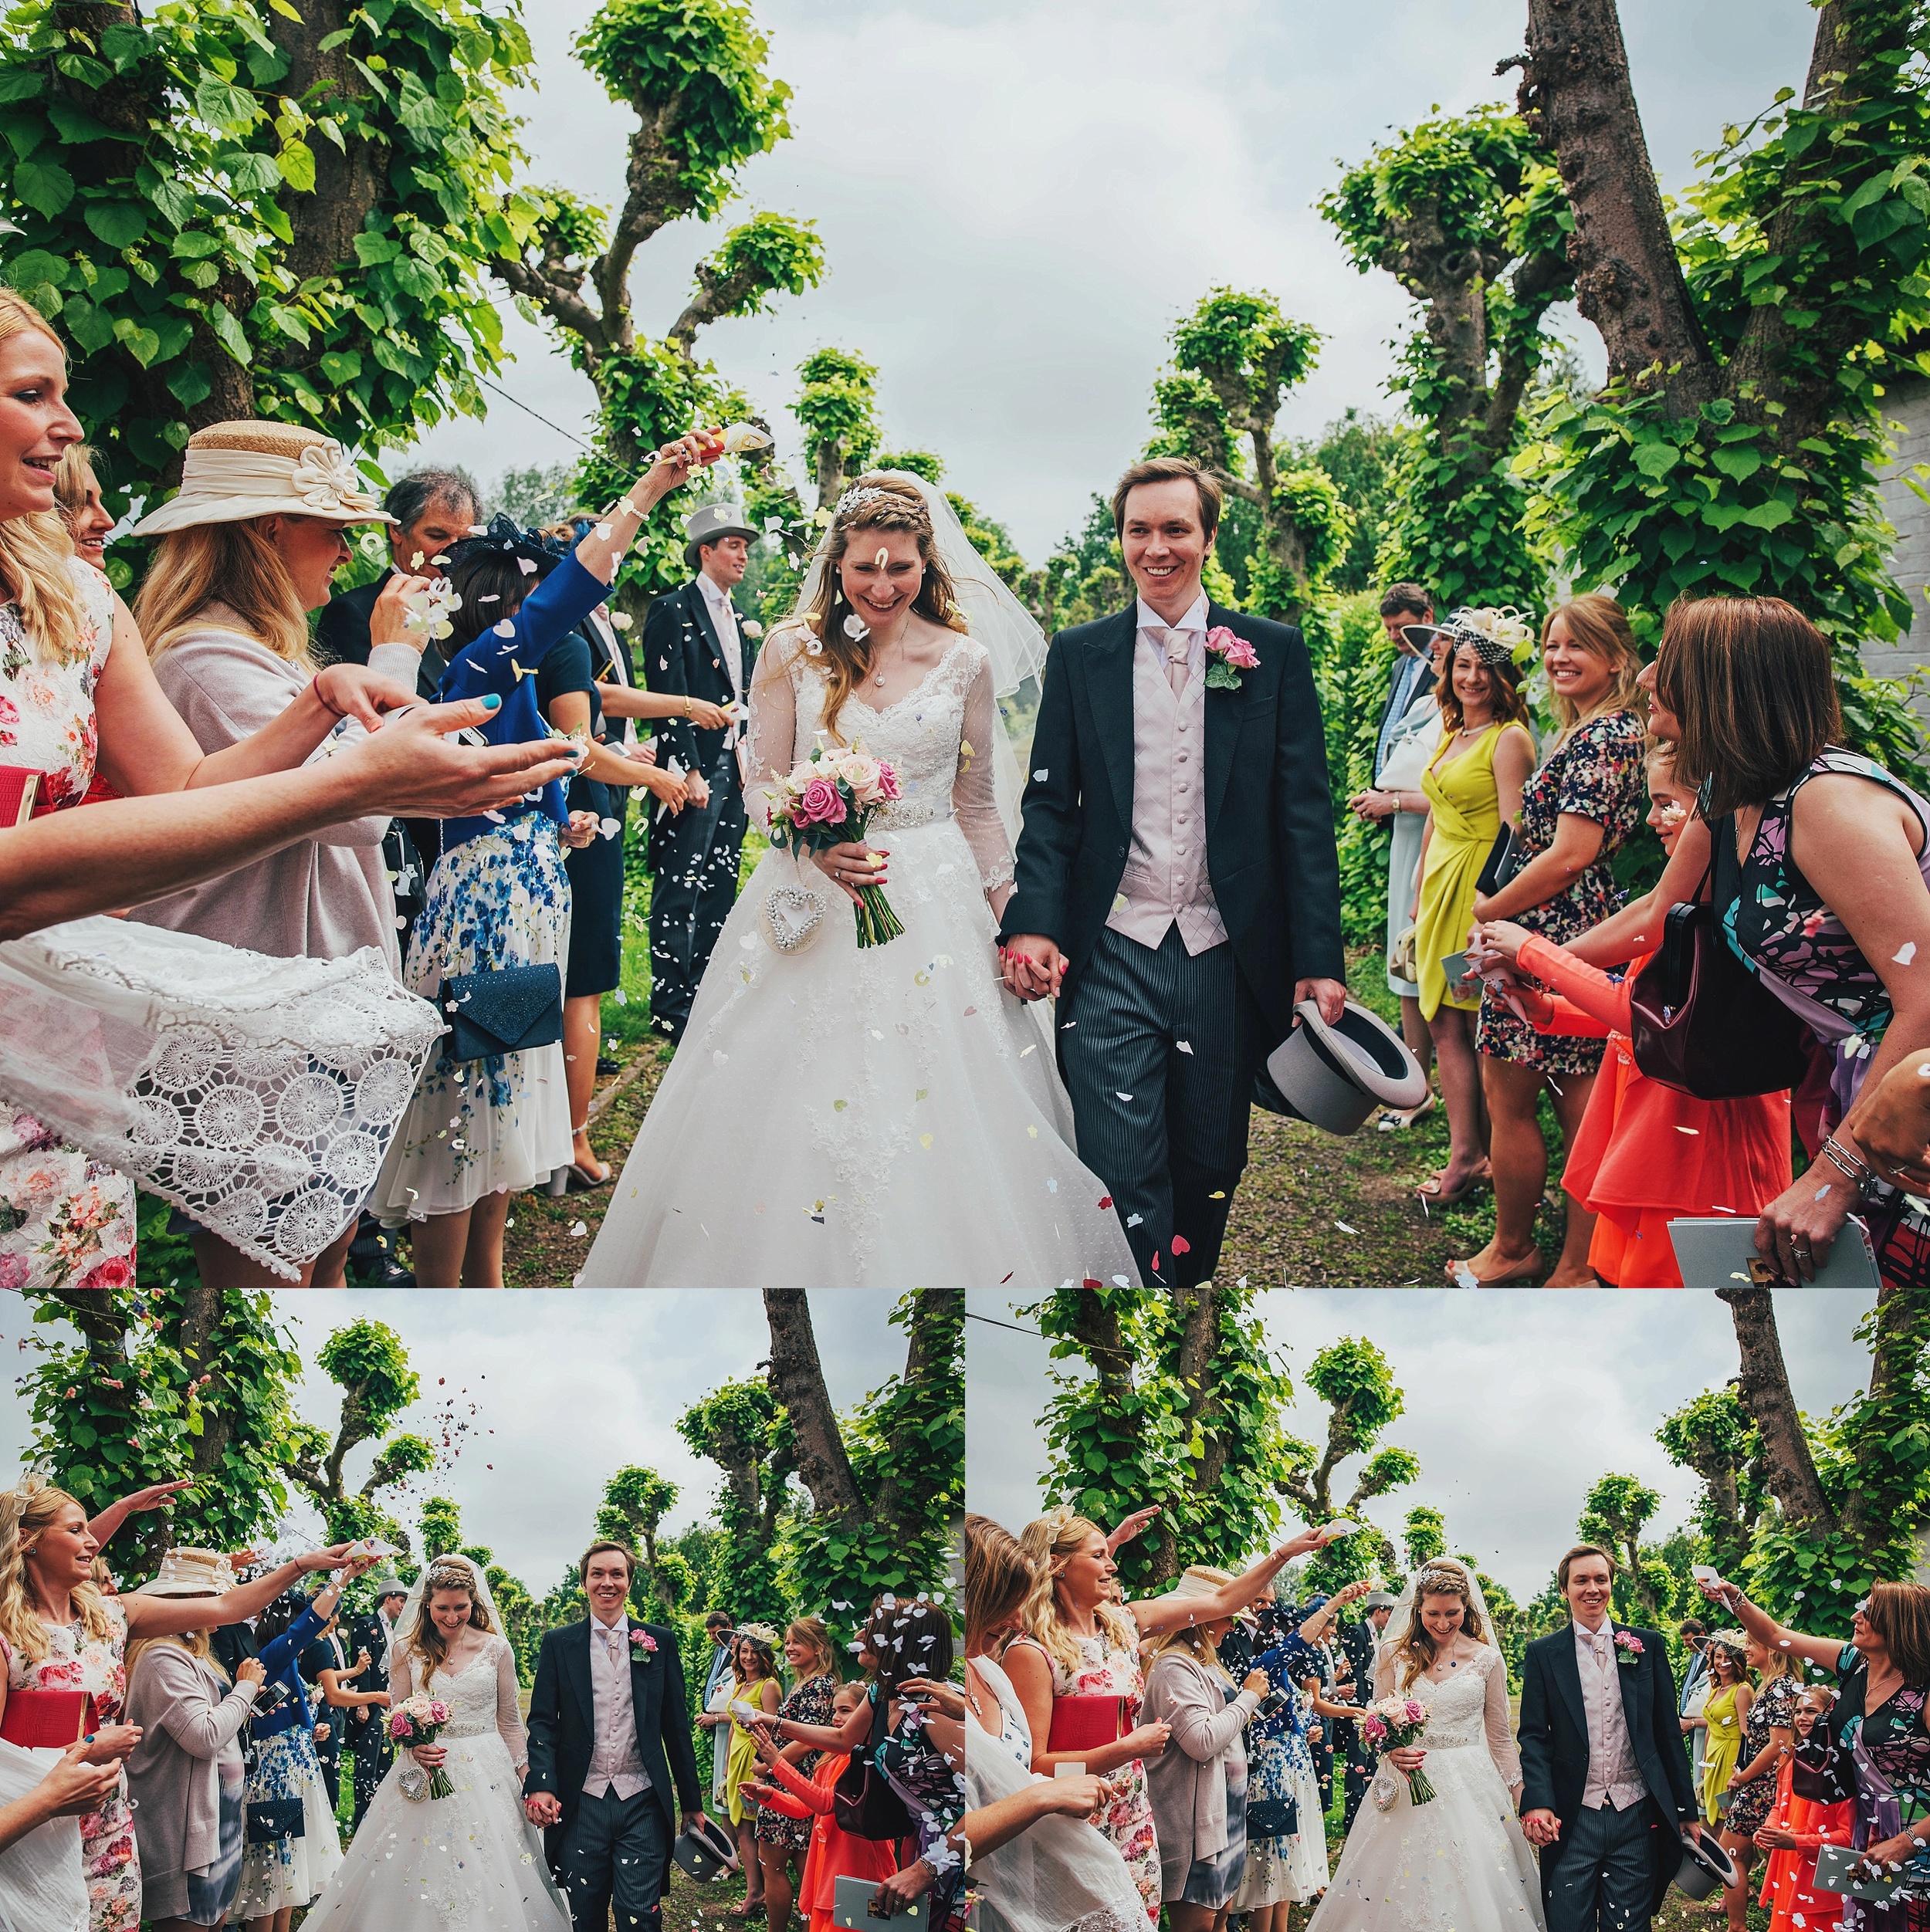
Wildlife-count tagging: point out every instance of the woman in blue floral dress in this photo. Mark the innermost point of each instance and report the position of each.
(478, 1130)
(1585, 799)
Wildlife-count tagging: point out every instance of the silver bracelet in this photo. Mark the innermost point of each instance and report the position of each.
(1852, 1167)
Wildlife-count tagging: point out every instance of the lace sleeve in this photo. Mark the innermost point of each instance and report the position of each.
(1500, 1736)
(974, 804)
(399, 1686)
(509, 1718)
(772, 738)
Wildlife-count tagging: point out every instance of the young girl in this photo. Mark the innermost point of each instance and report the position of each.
(1645, 1152)
(1796, 1830)
(834, 1853)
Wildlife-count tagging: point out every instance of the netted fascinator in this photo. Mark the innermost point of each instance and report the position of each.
(503, 535)
(1499, 635)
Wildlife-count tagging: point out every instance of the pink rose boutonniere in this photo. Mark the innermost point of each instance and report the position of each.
(1229, 654)
(643, 1646)
(1628, 1648)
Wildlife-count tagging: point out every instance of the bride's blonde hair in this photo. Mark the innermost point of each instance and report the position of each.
(1415, 1648)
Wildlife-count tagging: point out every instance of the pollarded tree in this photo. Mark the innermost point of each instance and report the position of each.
(367, 1360)
(1713, 1435)
(1234, 358)
(1466, 212)
(740, 1427)
(255, 210)
(635, 1502)
(1748, 346)
(693, 73)
(183, 1381)
(1614, 1514)
(1424, 1533)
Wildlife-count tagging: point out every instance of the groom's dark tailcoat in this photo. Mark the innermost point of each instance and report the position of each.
(563, 1729)
(1554, 1753)
(1271, 859)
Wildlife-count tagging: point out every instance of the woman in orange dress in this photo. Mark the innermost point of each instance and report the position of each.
(1645, 1152)
(1795, 1830)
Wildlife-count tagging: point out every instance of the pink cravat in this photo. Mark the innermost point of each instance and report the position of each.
(1178, 644)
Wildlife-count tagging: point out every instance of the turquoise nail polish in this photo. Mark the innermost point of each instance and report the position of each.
(492, 703)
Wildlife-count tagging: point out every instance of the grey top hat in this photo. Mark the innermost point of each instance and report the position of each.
(1336, 1076)
(389, 1586)
(1378, 1600)
(713, 521)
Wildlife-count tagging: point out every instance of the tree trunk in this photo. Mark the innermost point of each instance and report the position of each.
(200, 1324)
(1198, 1313)
(1576, 97)
(1763, 1386)
(927, 1356)
(797, 1384)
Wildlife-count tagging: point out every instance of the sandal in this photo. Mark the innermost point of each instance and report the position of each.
(580, 1179)
(1431, 1192)
(1406, 1119)
(1524, 1274)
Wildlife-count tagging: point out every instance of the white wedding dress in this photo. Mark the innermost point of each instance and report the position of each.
(472, 1859)
(1461, 1859)
(838, 1117)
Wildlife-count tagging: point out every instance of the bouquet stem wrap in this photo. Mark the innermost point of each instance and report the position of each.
(1396, 1723)
(419, 1720)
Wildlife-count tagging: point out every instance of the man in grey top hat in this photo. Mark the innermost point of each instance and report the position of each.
(697, 644)
(1361, 1642)
(367, 1738)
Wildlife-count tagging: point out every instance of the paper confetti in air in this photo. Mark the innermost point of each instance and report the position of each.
(523, 564)
(1905, 953)
(1185, 1045)
(505, 628)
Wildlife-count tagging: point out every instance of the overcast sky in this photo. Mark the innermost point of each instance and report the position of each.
(575, 1386)
(1516, 1402)
(1018, 200)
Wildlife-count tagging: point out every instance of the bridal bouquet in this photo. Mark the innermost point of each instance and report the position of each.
(1393, 1723)
(828, 800)
(419, 1720)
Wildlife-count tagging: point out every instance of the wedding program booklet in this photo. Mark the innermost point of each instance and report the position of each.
(1713, 1251)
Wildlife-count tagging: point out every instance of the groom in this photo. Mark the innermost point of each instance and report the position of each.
(606, 1711)
(1177, 885)
(1606, 1790)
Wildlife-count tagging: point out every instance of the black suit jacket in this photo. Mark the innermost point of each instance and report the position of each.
(682, 655)
(1554, 1744)
(368, 1633)
(563, 1724)
(341, 633)
(1269, 810)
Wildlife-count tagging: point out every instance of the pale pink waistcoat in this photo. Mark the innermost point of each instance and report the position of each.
(1613, 1772)
(1166, 868)
(614, 1759)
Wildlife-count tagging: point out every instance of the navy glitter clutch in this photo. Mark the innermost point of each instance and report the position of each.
(508, 1010)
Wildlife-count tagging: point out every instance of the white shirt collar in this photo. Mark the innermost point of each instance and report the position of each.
(621, 1626)
(1194, 621)
(714, 594)
(1584, 1635)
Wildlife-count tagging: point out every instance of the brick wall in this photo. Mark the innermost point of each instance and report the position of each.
(1908, 404)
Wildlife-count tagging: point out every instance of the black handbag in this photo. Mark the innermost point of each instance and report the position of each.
(508, 1010)
(863, 1804)
(1272, 1818)
(1503, 862)
(1700, 1021)
(275, 1819)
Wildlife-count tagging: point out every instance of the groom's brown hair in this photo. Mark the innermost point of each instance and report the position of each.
(1169, 469)
(597, 1549)
(1584, 1549)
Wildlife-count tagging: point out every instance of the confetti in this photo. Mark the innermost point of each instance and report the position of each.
(603, 533)
(1687, 1130)
(1181, 1245)
(1133, 1220)
(1051, 1185)
(579, 1229)
(1106, 1200)
(1341, 1225)
(1032, 1132)
(924, 1140)
(1185, 1045)
(1039, 775)
(504, 629)
(1905, 953)
(523, 564)
(1120, 1096)
(718, 1056)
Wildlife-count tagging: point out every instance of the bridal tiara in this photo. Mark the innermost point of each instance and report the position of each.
(858, 496)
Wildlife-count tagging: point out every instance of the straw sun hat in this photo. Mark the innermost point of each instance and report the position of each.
(192, 1573)
(237, 470)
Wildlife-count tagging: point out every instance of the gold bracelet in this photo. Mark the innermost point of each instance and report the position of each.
(689, 709)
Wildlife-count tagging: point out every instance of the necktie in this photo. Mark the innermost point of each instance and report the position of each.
(1601, 1650)
(1177, 644)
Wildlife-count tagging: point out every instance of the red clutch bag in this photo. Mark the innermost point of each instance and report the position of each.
(19, 789)
(46, 1720)
(1078, 1723)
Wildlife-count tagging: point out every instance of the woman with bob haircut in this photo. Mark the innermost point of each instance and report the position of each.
(1821, 886)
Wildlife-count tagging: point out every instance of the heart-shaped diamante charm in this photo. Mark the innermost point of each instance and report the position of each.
(791, 917)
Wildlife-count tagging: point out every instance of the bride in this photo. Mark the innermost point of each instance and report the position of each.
(903, 1112)
(419, 1864)
(1460, 1860)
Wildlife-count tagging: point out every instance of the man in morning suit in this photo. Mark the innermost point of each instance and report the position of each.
(367, 1739)
(697, 644)
(1606, 1792)
(609, 1739)
(1177, 886)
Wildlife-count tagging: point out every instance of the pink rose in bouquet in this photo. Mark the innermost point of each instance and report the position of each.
(1394, 1723)
(828, 800)
(419, 1720)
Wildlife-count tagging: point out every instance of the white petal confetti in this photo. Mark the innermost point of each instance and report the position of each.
(504, 629)
(579, 1229)
(523, 564)
(1905, 953)
(1039, 775)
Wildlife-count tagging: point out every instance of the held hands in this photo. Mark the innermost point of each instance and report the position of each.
(580, 834)
(323, 1733)
(1373, 803)
(696, 791)
(1773, 1838)
(1032, 966)
(543, 1808)
(851, 865)
(1540, 1826)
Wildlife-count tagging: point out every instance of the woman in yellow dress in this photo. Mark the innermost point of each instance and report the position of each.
(1726, 1712)
(758, 1685)
(1473, 784)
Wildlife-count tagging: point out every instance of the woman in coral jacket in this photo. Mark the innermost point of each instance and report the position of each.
(834, 1853)
(1645, 1152)
(1796, 1830)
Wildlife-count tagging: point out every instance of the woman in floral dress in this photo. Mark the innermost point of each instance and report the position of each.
(58, 1632)
(781, 1839)
(1768, 1734)
(1577, 810)
(1080, 1655)
(1876, 1740)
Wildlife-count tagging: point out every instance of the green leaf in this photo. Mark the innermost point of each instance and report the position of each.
(192, 246)
(1740, 464)
(1656, 458)
(296, 161)
(290, 322)
(143, 344)
(228, 333)
(91, 327)
(29, 270)
(45, 186)
(223, 106)
(190, 384)
(1771, 516)
(249, 174)
(120, 224)
(341, 365)
(21, 83)
(75, 128)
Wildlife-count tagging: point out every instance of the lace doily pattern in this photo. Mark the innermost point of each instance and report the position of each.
(272, 1087)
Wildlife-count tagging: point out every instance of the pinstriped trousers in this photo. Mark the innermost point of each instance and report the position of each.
(1159, 1051)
